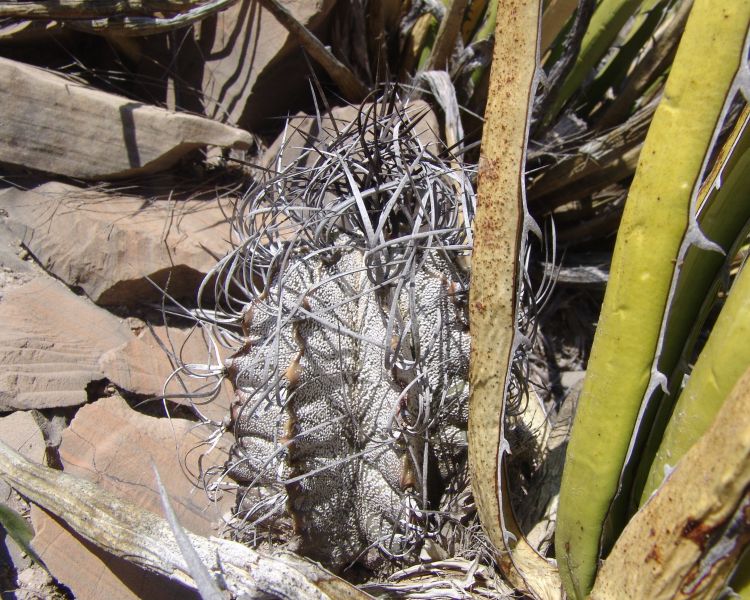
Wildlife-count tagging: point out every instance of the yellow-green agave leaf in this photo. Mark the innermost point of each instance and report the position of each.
(654, 223)
(722, 361)
(687, 539)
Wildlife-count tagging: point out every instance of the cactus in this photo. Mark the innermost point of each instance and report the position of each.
(350, 381)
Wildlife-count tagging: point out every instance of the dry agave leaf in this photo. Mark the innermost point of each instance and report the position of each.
(145, 539)
(501, 226)
(452, 578)
(600, 161)
(205, 582)
(118, 17)
(77, 9)
(445, 41)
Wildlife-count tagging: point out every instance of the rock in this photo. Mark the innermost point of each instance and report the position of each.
(143, 367)
(14, 271)
(20, 431)
(115, 446)
(111, 444)
(109, 244)
(247, 65)
(92, 573)
(54, 124)
(50, 344)
(34, 582)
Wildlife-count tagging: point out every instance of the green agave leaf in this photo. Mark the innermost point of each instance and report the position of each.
(427, 43)
(740, 582)
(724, 218)
(723, 360)
(474, 16)
(20, 531)
(658, 215)
(647, 19)
(646, 77)
(688, 538)
(487, 25)
(609, 18)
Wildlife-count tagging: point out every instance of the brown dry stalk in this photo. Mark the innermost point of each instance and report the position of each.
(445, 41)
(500, 227)
(352, 88)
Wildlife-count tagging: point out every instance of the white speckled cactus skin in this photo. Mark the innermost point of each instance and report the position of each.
(352, 410)
(351, 392)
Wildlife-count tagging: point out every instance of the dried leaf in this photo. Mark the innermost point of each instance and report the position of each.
(146, 540)
(501, 225)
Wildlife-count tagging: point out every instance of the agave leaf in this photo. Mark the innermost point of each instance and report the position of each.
(724, 217)
(78, 9)
(724, 358)
(19, 531)
(127, 19)
(656, 219)
(487, 25)
(607, 21)
(562, 61)
(425, 36)
(501, 225)
(419, 44)
(445, 39)
(141, 26)
(687, 539)
(740, 582)
(475, 14)
(556, 15)
(606, 159)
(485, 31)
(645, 22)
(649, 69)
(204, 581)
